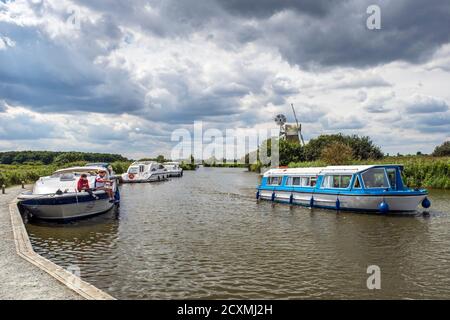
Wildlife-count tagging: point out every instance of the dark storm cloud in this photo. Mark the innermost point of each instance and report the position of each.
(267, 8)
(54, 75)
(309, 33)
(411, 31)
(60, 77)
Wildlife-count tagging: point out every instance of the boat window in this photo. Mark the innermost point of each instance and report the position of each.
(133, 170)
(293, 181)
(141, 169)
(304, 182)
(336, 181)
(392, 176)
(274, 181)
(298, 181)
(67, 177)
(375, 178)
(357, 184)
(313, 181)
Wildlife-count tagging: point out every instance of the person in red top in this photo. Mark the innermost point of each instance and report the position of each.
(83, 183)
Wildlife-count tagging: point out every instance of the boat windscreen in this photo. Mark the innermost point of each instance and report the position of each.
(375, 178)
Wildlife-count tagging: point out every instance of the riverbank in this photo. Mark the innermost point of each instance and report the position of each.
(25, 274)
(19, 279)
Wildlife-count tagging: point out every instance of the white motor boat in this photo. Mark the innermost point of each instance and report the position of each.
(56, 197)
(173, 169)
(145, 171)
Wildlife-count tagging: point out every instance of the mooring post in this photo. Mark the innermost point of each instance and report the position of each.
(3, 189)
(23, 184)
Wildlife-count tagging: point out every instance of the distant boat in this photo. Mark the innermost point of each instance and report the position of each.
(173, 169)
(373, 188)
(145, 171)
(56, 197)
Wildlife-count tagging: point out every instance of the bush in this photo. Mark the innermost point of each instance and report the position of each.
(443, 150)
(120, 167)
(363, 147)
(337, 153)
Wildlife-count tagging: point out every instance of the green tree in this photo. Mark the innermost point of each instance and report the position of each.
(443, 150)
(291, 152)
(160, 159)
(337, 153)
(363, 147)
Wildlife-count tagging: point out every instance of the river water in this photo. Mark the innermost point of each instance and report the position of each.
(205, 236)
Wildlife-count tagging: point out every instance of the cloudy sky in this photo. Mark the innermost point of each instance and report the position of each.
(120, 76)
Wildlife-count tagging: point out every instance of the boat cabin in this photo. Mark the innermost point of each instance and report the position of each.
(337, 178)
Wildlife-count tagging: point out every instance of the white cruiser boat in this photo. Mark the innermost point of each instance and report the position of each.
(56, 197)
(173, 169)
(145, 171)
(373, 188)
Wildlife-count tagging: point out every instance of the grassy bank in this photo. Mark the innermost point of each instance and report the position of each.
(420, 171)
(14, 174)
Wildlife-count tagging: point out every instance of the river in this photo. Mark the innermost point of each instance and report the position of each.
(204, 236)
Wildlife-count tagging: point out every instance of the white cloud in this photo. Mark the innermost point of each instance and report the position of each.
(6, 42)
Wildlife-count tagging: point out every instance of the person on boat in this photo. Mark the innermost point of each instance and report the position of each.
(83, 183)
(102, 183)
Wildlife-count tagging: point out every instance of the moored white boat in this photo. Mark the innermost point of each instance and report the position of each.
(56, 197)
(374, 188)
(173, 169)
(145, 171)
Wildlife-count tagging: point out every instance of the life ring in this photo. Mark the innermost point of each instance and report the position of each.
(131, 176)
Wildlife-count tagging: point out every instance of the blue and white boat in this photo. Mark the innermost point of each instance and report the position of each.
(56, 197)
(373, 188)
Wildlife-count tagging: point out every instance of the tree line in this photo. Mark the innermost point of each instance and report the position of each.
(60, 158)
(335, 149)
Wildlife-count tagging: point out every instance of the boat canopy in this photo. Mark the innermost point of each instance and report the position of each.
(325, 170)
(79, 170)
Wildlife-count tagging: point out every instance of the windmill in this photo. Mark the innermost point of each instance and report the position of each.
(298, 128)
(290, 132)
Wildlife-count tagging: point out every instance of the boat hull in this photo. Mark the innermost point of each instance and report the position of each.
(175, 173)
(67, 206)
(369, 203)
(152, 178)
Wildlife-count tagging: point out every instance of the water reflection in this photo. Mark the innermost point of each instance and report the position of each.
(205, 236)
